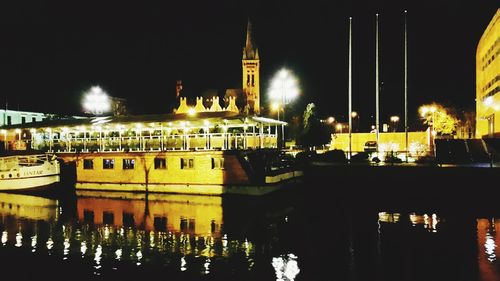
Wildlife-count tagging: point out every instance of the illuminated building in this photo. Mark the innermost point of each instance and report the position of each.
(251, 66)
(245, 100)
(488, 80)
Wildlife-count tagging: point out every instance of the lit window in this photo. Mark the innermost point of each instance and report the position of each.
(218, 163)
(108, 163)
(88, 164)
(160, 163)
(187, 163)
(187, 224)
(128, 164)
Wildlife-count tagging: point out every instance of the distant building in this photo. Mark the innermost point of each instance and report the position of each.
(488, 81)
(118, 106)
(245, 100)
(14, 117)
(251, 73)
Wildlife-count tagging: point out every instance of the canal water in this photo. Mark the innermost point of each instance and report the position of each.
(305, 233)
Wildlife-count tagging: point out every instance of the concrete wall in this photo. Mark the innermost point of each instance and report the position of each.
(388, 141)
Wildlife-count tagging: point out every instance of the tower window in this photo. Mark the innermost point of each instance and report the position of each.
(248, 79)
(253, 84)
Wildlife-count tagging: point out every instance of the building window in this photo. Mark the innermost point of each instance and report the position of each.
(218, 163)
(108, 218)
(9, 120)
(23, 120)
(108, 163)
(33, 119)
(253, 84)
(187, 163)
(160, 163)
(128, 219)
(128, 164)
(88, 164)
(160, 223)
(88, 216)
(187, 225)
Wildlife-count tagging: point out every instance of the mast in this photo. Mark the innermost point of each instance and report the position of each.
(406, 88)
(350, 88)
(377, 85)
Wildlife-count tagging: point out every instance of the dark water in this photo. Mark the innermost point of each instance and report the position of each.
(309, 232)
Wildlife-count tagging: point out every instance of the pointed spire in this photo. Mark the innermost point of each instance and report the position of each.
(248, 43)
(249, 52)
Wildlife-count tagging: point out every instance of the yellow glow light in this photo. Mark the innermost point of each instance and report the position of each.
(191, 111)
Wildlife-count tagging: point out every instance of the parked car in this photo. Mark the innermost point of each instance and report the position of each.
(370, 146)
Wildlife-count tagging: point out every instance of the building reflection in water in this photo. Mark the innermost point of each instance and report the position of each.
(430, 222)
(488, 235)
(114, 229)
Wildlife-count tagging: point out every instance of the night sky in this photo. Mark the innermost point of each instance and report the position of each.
(52, 51)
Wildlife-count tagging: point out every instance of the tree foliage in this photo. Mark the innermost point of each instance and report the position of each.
(445, 121)
(314, 132)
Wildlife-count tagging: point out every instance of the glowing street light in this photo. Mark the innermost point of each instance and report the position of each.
(284, 88)
(96, 101)
(354, 114)
(394, 120)
(339, 127)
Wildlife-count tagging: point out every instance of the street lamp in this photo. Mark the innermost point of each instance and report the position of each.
(96, 101)
(424, 111)
(394, 120)
(283, 90)
(276, 107)
(339, 127)
(354, 115)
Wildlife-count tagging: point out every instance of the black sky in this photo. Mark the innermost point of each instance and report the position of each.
(52, 51)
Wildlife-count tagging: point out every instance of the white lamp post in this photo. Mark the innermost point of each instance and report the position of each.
(283, 90)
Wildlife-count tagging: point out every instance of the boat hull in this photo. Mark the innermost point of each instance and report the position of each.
(26, 178)
(29, 184)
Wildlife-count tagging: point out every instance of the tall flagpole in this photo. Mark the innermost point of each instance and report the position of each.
(406, 88)
(350, 88)
(377, 124)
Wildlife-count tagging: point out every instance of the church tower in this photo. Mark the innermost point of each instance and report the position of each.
(250, 65)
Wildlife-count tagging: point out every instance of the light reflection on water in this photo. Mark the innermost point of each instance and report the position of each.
(129, 229)
(194, 235)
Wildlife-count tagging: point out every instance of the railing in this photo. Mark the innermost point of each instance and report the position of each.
(8, 162)
(211, 141)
